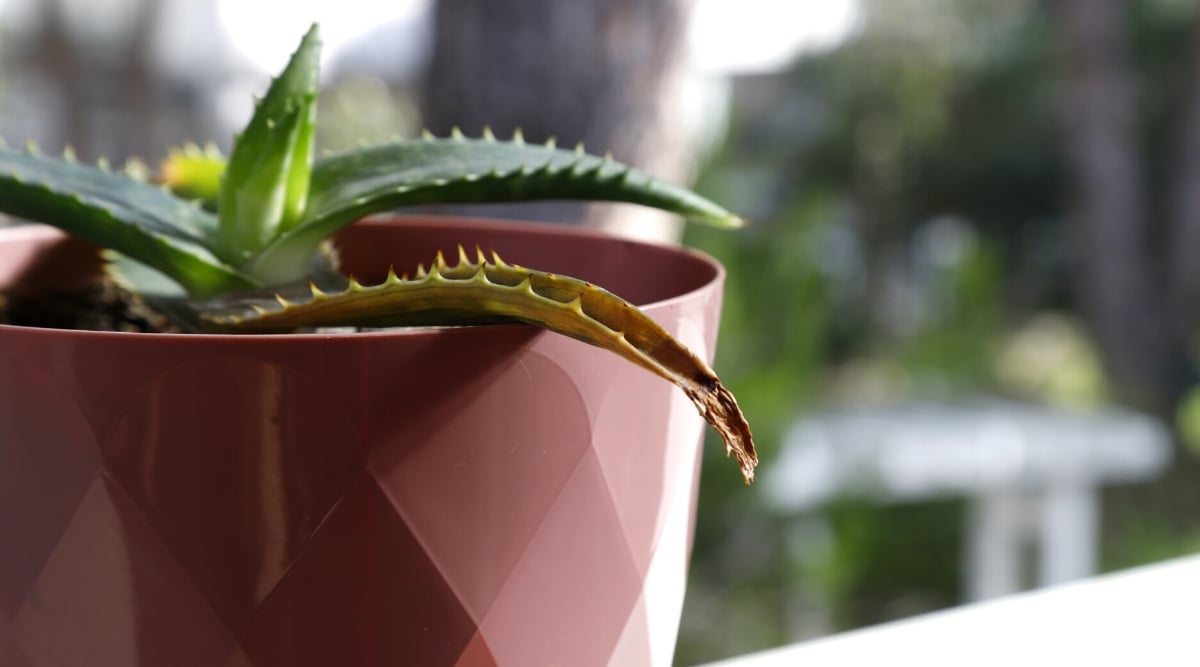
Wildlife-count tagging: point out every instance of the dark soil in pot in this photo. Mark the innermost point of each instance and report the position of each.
(98, 306)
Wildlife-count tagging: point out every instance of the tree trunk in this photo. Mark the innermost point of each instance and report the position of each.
(58, 61)
(1119, 287)
(1183, 205)
(603, 72)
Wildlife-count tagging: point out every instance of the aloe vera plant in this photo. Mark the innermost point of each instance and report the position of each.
(276, 203)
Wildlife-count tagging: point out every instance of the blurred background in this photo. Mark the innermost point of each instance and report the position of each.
(963, 322)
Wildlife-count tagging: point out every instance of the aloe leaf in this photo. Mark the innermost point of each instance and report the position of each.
(351, 185)
(264, 189)
(113, 210)
(192, 172)
(483, 292)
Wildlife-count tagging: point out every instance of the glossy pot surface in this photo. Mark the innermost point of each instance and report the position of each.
(470, 496)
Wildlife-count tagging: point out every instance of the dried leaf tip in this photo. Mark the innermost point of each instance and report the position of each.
(721, 410)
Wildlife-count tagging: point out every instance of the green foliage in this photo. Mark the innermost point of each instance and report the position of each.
(115, 211)
(936, 109)
(347, 186)
(264, 190)
(194, 173)
(1187, 421)
(897, 183)
(891, 562)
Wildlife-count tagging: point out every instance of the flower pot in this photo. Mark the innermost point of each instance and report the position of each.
(464, 496)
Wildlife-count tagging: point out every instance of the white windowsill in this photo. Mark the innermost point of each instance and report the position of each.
(1144, 616)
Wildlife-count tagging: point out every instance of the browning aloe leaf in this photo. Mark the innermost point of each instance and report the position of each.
(483, 292)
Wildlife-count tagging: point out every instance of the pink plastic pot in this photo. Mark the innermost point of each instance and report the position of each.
(474, 496)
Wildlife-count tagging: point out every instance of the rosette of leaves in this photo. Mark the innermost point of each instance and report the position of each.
(276, 203)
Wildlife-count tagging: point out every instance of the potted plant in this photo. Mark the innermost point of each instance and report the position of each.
(464, 495)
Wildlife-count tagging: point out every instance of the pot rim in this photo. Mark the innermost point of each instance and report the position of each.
(33, 232)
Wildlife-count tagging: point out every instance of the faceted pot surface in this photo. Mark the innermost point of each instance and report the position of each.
(462, 496)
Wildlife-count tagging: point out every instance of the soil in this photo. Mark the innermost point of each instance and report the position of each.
(100, 306)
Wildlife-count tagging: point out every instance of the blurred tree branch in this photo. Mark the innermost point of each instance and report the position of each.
(604, 72)
(1120, 287)
(121, 78)
(1183, 206)
(55, 56)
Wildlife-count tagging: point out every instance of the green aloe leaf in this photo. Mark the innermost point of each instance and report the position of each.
(264, 189)
(351, 185)
(116, 211)
(192, 172)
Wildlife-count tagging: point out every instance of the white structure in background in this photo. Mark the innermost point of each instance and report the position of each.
(1142, 616)
(1026, 471)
